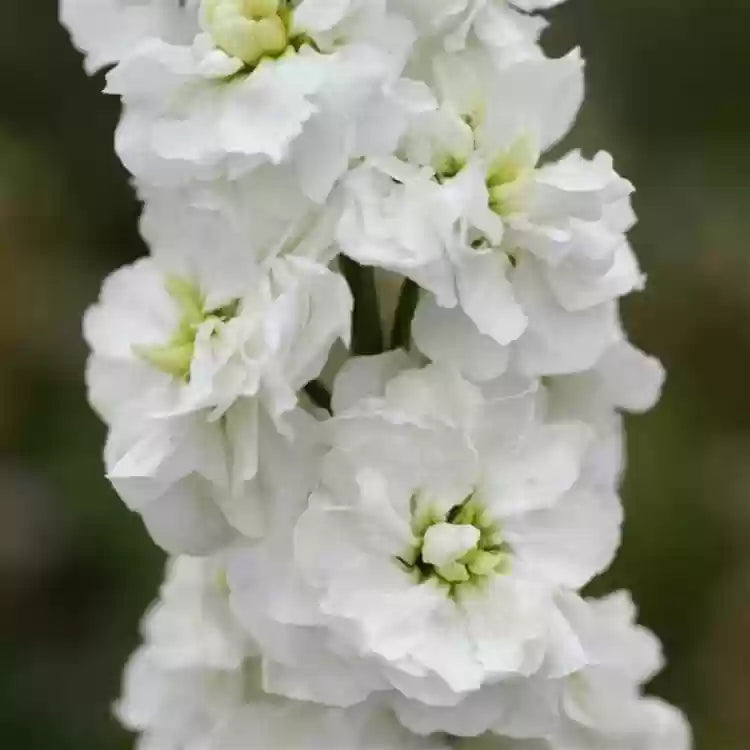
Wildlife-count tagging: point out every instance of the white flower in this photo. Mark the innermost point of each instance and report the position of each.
(190, 670)
(533, 256)
(264, 82)
(274, 724)
(191, 624)
(429, 560)
(232, 230)
(602, 706)
(624, 379)
(170, 708)
(200, 390)
(505, 26)
(194, 684)
(107, 30)
(404, 574)
(553, 341)
(599, 706)
(564, 233)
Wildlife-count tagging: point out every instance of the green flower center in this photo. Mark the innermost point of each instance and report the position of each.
(509, 174)
(176, 356)
(447, 166)
(463, 546)
(248, 29)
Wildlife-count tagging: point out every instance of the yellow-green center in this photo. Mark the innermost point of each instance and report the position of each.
(508, 176)
(248, 29)
(176, 355)
(455, 548)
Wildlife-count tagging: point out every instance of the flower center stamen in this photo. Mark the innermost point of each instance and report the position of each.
(509, 175)
(176, 356)
(248, 29)
(460, 547)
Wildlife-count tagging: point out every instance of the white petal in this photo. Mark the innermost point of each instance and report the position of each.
(536, 474)
(366, 377)
(185, 519)
(632, 379)
(486, 296)
(569, 544)
(557, 341)
(503, 620)
(450, 337)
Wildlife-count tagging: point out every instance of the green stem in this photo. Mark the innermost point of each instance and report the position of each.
(407, 305)
(319, 395)
(367, 337)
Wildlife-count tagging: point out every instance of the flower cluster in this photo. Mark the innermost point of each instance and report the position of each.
(366, 389)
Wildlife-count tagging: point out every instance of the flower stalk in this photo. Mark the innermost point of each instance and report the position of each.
(383, 545)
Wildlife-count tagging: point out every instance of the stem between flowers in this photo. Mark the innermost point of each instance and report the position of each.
(407, 305)
(367, 336)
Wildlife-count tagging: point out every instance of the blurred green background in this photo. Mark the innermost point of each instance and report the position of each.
(668, 95)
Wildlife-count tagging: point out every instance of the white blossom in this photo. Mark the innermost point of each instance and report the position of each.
(189, 672)
(505, 26)
(533, 255)
(386, 552)
(599, 706)
(233, 230)
(107, 30)
(194, 684)
(429, 561)
(199, 388)
(275, 724)
(313, 85)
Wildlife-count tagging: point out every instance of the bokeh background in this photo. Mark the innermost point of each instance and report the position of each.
(668, 95)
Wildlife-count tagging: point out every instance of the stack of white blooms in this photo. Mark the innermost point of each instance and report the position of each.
(378, 541)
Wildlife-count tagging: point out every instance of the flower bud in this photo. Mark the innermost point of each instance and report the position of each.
(246, 29)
